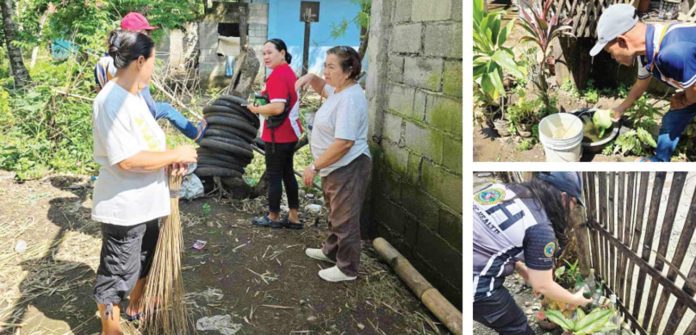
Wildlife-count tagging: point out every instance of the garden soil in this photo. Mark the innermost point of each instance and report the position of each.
(258, 280)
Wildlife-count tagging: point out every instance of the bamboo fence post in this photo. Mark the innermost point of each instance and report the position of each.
(678, 179)
(431, 297)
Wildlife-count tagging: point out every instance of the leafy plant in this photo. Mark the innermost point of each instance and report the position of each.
(206, 209)
(639, 141)
(525, 144)
(599, 320)
(362, 20)
(543, 24)
(492, 60)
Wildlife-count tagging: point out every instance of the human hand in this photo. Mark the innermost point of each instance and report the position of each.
(308, 176)
(178, 169)
(617, 113)
(579, 299)
(186, 154)
(253, 108)
(304, 81)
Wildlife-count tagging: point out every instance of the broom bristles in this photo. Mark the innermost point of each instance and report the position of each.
(163, 303)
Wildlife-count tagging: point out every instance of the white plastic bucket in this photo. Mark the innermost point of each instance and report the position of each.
(561, 135)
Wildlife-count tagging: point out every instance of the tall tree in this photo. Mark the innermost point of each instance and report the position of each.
(19, 71)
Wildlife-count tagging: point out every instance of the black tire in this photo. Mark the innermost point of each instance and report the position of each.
(233, 121)
(215, 132)
(233, 132)
(240, 143)
(222, 156)
(213, 161)
(210, 171)
(240, 110)
(233, 149)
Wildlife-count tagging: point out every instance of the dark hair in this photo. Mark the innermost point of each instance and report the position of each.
(280, 46)
(549, 198)
(350, 60)
(127, 46)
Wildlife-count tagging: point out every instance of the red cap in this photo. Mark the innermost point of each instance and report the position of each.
(134, 21)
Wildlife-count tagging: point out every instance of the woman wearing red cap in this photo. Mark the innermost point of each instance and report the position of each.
(105, 70)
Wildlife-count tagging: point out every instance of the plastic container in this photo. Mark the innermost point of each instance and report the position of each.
(561, 135)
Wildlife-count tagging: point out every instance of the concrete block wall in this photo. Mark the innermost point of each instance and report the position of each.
(416, 134)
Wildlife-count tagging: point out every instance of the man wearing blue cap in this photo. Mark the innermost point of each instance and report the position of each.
(664, 51)
(522, 227)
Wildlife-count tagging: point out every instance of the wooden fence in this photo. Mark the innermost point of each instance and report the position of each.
(630, 255)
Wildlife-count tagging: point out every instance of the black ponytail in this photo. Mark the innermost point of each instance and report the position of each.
(127, 46)
(280, 46)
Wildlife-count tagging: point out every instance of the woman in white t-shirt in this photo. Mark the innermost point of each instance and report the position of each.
(131, 193)
(341, 158)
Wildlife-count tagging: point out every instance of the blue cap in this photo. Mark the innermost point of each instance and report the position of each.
(568, 182)
(615, 20)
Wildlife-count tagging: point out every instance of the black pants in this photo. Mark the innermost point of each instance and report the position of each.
(126, 256)
(279, 171)
(500, 313)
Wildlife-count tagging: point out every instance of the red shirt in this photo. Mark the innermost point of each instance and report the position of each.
(279, 86)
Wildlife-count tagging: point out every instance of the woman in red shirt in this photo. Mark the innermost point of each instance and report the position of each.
(280, 141)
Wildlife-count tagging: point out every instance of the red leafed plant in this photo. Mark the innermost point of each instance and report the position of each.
(543, 22)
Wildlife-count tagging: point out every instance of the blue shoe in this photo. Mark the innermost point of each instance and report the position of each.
(265, 221)
(202, 127)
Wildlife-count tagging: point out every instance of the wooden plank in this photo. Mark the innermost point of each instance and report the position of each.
(678, 311)
(679, 253)
(593, 218)
(602, 223)
(658, 184)
(630, 217)
(611, 195)
(624, 197)
(621, 202)
(681, 294)
(675, 192)
(637, 230)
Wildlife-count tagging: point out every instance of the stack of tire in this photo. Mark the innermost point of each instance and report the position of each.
(225, 149)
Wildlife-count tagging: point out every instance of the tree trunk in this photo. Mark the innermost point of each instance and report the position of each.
(14, 53)
(364, 38)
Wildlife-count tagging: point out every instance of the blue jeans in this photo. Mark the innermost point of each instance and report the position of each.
(673, 125)
(164, 110)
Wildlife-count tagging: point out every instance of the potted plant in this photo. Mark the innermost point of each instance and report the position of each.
(492, 62)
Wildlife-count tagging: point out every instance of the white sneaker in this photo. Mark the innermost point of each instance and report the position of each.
(318, 255)
(334, 274)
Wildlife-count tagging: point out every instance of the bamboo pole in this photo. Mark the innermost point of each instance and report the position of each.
(430, 296)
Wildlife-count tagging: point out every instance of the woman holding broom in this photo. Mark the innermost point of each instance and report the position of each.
(341, 158)
(131, 193)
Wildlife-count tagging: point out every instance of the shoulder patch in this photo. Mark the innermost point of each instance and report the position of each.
(490, 196)
(550, 249)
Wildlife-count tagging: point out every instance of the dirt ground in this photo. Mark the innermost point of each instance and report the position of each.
(259, 277)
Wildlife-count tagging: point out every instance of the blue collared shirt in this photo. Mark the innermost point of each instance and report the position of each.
(675, 63)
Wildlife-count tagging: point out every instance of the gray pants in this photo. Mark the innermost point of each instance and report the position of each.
(344, 192)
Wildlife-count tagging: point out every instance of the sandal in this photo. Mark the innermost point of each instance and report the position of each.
(292, 225)
(265, 221)
(135, 317)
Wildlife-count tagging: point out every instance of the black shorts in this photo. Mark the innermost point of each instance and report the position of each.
(500, 313)
(126, 256)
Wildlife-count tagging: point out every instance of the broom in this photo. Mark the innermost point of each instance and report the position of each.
(164, 308)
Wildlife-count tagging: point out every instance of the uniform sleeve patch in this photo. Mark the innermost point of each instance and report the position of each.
(549, 249)
(490, 196)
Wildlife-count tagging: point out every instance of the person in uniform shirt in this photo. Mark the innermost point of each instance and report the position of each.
(105, 70)
(518, 227)
(662, 50)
